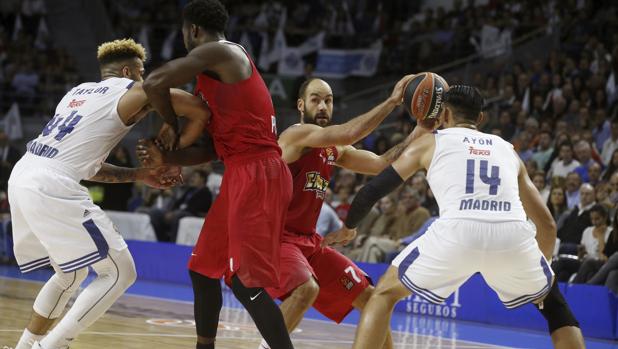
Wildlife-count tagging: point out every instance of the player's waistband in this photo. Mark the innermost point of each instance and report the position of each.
(36, 162)
(259, 154)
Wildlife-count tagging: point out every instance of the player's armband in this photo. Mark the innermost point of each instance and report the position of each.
(380, 186)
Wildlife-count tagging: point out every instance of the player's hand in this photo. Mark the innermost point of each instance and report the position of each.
(342, 236)
(149, 153)
(168, 138)
(162, 177)
(397, 94)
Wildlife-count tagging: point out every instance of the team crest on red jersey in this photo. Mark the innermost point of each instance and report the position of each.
(328, 155)
(315, 182)
(347, 283)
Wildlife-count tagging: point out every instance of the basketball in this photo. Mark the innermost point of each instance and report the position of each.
(423, 98)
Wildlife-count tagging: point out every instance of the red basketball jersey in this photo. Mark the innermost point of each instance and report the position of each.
(310, 176)
(243, 116)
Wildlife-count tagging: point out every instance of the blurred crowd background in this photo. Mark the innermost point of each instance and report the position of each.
(548, 71)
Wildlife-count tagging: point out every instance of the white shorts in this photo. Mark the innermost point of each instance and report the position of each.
(53, 217)
(506, 254)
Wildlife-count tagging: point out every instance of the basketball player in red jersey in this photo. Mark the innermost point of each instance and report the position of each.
(312, 274)
(242, 233)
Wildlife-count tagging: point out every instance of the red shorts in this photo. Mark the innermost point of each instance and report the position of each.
(242, 231)
(341, 281)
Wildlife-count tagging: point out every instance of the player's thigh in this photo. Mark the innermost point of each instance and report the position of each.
(433, 267)
(519, 276)
(294, 271)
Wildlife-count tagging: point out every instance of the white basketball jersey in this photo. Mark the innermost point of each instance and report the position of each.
(85, 127)
(473, 175)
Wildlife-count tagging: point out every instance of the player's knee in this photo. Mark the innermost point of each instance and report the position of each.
(556, 311)
(389, 287)
(70, 282)
(307, 292)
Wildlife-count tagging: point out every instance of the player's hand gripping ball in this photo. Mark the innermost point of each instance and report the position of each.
(423, 98)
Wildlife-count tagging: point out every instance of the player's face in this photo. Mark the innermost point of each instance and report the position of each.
(134, 70)
(188, 36)
(317, 106)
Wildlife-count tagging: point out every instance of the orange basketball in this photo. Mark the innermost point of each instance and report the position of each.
(423, 98)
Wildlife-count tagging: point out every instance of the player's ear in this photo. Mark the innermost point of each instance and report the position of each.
(480, 119)
(300, 105)
(195, 30)
(126, 72)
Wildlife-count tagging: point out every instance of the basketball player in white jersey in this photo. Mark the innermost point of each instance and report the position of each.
(54, 220)
(484, 195)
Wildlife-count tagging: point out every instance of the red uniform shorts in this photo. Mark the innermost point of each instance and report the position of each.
(242, 231)
(341, 281)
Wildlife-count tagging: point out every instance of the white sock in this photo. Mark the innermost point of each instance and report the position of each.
(263, 345)
(27, 340)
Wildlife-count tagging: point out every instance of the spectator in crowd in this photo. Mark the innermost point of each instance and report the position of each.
(579, 219)
(544, 150)
(591, 266)
(591, 245)
(344, 197)
(538, 178)
(583, 151)
(594, 173)
(565, 163)
(328, 221)
(611, 144)
(411, 214)
(558, 206)
(573, 184)
(9, 155)
(371, 247)
(612, 167)
(195, 201)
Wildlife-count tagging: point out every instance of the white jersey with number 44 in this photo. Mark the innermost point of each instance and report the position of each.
(473, 175)
(85, 127)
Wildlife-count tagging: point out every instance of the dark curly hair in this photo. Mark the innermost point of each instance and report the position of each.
(211, 15)
(466, 101)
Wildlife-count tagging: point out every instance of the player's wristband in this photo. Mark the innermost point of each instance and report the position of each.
(377, 188)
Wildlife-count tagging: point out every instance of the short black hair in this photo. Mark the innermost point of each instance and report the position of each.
(211, 15)
(466, 102)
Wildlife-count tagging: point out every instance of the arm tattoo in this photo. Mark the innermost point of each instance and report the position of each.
(114, 174)
(393, 153)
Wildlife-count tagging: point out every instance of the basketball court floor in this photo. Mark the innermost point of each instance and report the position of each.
(156, 315)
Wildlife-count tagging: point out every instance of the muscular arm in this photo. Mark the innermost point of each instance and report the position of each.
(538, 212)
(416, 156)
(190, 156)
(195, 111)
(366, 162)
(114, 174)
(181, 71)
(303, 136)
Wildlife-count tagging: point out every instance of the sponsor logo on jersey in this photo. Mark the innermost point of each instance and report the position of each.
(346, 282)
(315, 182)
(75, 103)
(475, 151)
(330, 156)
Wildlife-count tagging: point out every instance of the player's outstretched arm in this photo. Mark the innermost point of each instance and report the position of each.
(538, 212)
(416, 156)
(181, 71)
(313, 136)
(366, 162)
(160, 177)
